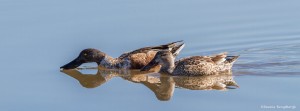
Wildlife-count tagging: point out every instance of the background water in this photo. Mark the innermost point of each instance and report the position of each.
(37, 37)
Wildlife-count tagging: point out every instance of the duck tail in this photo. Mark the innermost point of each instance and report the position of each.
(174, 43)
(167, 46)
(173, 47)
(231, 59)
(176, 49)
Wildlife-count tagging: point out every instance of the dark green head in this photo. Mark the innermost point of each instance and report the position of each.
(85, 56)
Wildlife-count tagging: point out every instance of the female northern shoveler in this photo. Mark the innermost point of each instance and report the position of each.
(191, 66)
(131, 60)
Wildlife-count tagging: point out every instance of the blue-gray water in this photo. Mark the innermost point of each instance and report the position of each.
(37, 37)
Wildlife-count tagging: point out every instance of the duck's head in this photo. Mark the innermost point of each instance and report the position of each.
(164, 58)
(85, 56)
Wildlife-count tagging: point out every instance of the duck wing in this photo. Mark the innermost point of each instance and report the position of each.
(141, 57)
(175, 48)
(195, 65)
(204, 65)
(219, 58)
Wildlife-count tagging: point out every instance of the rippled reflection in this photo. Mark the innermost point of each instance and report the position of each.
(161, 85)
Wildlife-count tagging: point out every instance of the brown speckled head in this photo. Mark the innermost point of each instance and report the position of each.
(85, 56)
(163, 58)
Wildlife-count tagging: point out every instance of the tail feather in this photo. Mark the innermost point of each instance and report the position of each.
(173, 47)
(176, 50)
(232, 59)
(174, 43)
(167, 46)
(222, 57)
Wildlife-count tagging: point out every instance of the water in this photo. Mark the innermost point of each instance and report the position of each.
(37, 37)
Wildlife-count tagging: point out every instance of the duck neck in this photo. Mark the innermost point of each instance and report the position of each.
(168, 67)
(109, 62)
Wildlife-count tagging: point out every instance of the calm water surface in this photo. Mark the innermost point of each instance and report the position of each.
(37, 37)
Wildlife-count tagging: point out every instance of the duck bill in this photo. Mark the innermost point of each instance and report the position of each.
(73, 64)
(150, 65)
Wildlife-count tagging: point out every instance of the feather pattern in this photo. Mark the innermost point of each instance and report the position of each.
(193, 66)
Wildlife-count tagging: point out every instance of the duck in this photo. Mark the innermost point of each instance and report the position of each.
(191, 66)
(135, 59)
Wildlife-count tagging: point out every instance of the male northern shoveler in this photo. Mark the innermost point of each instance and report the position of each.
(131, 60)
(191, 66)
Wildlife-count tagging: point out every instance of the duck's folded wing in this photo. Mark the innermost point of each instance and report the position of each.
(175, 48)
(219, 58)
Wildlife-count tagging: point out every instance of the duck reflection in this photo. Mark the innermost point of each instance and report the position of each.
(161, 85)
(90, 80)
(211, 82)
(163, 91)
(102, 76)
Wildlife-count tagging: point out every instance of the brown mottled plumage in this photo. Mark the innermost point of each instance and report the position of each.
(192, 66)
(131, 60)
